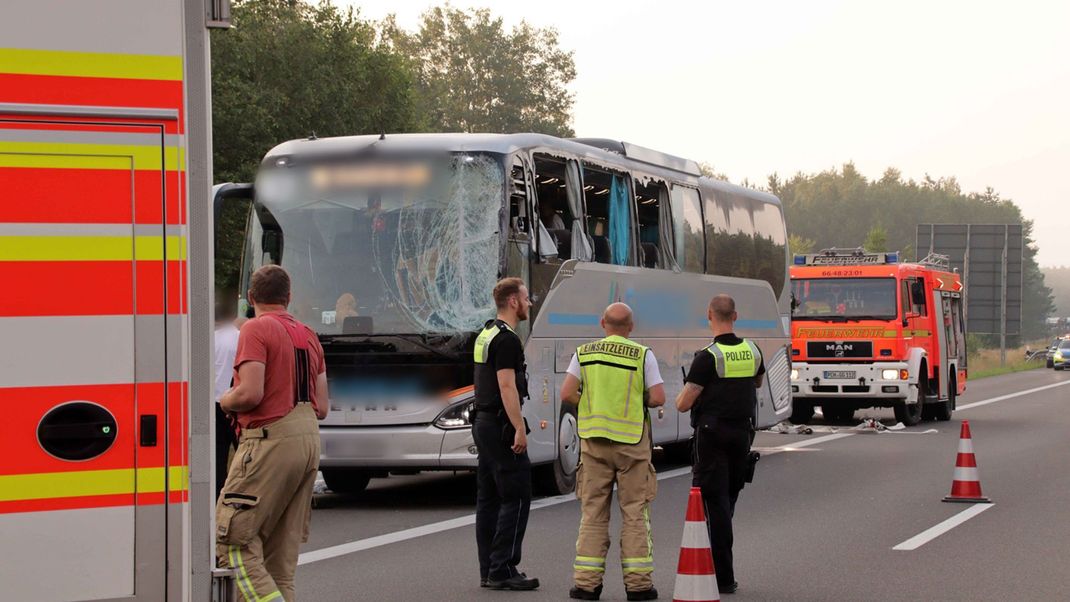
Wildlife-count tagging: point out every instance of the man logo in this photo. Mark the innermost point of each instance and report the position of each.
(839, 349)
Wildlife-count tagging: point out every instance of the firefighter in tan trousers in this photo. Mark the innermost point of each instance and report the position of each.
(263, 512)
(613, 381)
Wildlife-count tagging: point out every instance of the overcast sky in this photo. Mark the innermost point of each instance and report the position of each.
(977, 90)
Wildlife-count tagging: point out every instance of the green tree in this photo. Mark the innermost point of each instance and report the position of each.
(876, 239)
(797, 245)
(288, 69)
(475, 75)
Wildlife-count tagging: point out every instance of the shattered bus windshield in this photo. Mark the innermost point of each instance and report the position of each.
(389, 247)
(844, 298)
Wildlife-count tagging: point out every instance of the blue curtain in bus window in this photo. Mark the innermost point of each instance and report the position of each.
(619, 224)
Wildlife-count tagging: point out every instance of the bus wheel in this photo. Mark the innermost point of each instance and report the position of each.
(559, 476)
(910, 414)
(802, 412)
(346, 480)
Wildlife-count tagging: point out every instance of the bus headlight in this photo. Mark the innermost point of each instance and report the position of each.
(458, 415)
(794, 374)
(890, 374)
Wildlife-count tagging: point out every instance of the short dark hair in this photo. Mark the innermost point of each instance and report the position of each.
(723, 306)
(506, 287)
(270, 285)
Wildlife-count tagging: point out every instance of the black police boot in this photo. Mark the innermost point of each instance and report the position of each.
(518, 583)
(728, 589)
(643, 594)
(578, 593)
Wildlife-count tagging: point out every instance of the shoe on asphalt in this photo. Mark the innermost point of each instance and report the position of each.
(518, 583)
(643, 594)
(728, 589)
(484, 582)
(578, 593)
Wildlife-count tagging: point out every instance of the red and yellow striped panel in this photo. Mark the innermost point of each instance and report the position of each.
(31, 480)
(68, 188)
(95, 79)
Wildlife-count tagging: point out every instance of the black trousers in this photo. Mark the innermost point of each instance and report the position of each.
(721, 447)
(224, 441)
(503, 498)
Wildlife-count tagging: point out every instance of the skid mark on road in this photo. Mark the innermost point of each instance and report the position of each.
(936, 531)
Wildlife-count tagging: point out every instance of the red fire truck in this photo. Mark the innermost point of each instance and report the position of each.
(105, 316)
(869, 331)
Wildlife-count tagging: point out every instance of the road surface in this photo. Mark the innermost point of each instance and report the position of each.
(820, 522)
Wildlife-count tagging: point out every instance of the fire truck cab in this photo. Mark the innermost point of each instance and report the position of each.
(869, 331)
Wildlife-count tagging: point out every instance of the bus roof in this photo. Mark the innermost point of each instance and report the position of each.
(599, 150)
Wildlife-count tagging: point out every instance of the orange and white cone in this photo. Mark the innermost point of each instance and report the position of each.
(966, 486)
(696, 579)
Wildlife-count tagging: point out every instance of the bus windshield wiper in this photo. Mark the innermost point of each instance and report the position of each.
(415, 339)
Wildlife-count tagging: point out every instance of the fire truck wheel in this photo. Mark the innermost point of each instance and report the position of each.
(346, 480)
(802, 412)
(911, 414)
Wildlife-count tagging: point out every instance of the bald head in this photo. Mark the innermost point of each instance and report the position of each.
(617, 319)
(722, 309)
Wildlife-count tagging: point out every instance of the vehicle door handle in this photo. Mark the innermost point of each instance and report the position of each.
(147, 430)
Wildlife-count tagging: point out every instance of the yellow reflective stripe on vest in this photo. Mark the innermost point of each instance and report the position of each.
(482, 347)
(736, 361)
(611, 404)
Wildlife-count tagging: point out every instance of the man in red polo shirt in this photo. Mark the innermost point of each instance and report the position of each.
(280, 390)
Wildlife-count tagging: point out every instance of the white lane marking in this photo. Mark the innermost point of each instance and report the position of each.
(464, 521)
(807, 443)
(936, 531)
(985, 402)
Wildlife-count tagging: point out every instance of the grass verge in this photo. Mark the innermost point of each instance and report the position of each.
(985, 362)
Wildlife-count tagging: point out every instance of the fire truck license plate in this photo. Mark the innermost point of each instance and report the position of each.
(834, 374)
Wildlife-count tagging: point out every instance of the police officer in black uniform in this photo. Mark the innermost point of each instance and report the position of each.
(504, 472)
(721, 392)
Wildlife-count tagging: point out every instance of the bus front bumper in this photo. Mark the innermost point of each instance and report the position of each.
(853, 381)
(405, 447)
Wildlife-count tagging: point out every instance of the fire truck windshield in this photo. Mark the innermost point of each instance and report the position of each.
(841, 299)
(389, 247)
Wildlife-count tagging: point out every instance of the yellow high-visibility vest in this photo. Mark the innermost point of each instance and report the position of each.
(736, 361)
(611, 404)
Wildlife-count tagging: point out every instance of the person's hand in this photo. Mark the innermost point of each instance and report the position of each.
(520, 442)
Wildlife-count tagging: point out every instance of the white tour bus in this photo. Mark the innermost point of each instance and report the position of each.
(394, 243)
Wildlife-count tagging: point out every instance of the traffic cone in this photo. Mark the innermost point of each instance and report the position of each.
(696, 579)
(966, 486)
